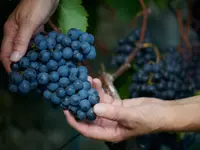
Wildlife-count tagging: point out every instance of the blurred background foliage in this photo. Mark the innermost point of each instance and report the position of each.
(31, 123)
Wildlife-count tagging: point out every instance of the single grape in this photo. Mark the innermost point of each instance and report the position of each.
(93, 91)
(83, 76)
(85, 105)
(58, 47)
(63, 82)
(13, 88)
(32, 55)
(54, 76)
(66, 41)
(43, 68)
(91, 39)
(34, 65)
(82, 69)
(75, 45)
(42, 45)
(61, 62)
(52, 65)
(70, 64)
(38, 38)
(52, 34)
(83, 94)
(85, 37)
(77, 56)
(75, 100)
(63, 71)
(80, 115)
(52, 87)
(92, 54)
(24, 87)
(73, 74)
(55, 99)
(85, 47)
(30, 74)
(60, 37)
(45, 56)
(73, 109)
(15, 77)
(86, 85)
(73, 34)
(66, 101)
(14, 67)
(90, 115)
(60, 92)
(33, 85)
(24, 62)
(43, 78)
(47, 94)
(57, 55)
(67, 53)
(93, 99)
(70, 90)
(78, 85)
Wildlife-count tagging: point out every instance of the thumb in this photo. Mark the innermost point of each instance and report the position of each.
(115, 113)
(21, 41)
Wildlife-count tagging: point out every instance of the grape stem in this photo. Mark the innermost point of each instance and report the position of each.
(189, 19)
(53, 26)
(181, 29)
(155, 49)
(138, 15)
(132, 55)
(108, 83)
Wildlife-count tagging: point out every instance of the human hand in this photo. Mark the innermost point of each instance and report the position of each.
(118, 120)
(27, 18)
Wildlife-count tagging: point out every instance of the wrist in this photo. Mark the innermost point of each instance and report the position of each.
(181, 115)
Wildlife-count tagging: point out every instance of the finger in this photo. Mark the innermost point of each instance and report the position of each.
(10, 30)
(39, 30)
(90, 79)
(21, 41)
(89, 130)
(138, 101)
(98, 85)
(108, 111)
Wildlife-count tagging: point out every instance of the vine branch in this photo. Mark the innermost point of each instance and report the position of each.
(53, 26)
(132, 55)
(181, 29)
(189, 20)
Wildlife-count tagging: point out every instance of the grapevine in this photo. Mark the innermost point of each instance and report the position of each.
(56, 65)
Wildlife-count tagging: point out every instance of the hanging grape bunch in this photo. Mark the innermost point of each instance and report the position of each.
(168, 79)
(50, 67)
(127, 44)
(160, 74)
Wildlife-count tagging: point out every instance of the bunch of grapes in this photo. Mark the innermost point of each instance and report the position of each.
(51, 68)
(127, 44)
(169, 79)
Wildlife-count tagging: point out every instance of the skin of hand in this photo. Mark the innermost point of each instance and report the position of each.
(118, 120)
(27, 18)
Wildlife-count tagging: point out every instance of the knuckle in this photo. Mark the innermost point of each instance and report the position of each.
(9, 27)
(19, 40)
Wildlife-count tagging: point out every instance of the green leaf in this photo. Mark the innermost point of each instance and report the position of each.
(71, 14)
(197, 93)
(122, 84)
(163, 4)
(125, 9)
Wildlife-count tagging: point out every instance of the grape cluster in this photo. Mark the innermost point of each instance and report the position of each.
(50, 67)
(127, 44)
(169, 79)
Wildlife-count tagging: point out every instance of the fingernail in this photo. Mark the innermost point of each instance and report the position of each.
(15, 56)
(99, 109)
